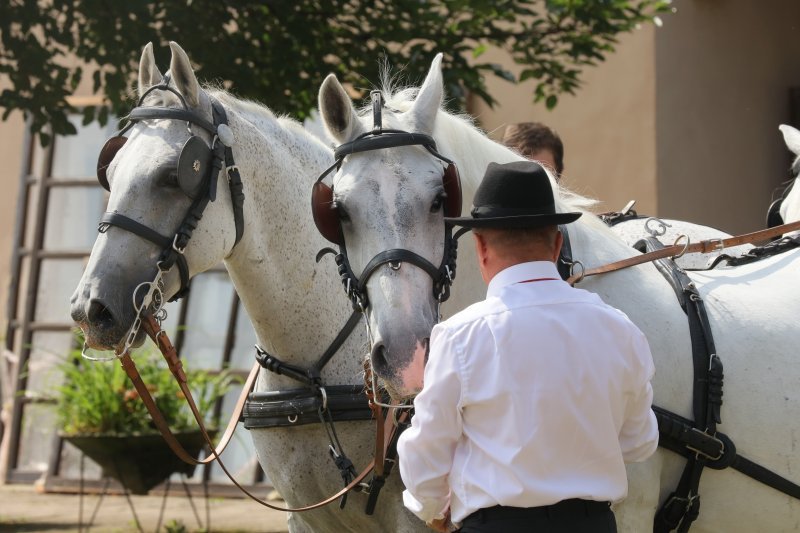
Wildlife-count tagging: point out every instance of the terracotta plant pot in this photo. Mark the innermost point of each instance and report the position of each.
(138, 462)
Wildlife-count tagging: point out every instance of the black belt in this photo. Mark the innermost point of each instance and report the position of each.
(565, 508)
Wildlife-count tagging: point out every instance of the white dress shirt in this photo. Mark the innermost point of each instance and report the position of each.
(537, 394)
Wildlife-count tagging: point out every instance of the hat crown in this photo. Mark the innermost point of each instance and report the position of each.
(520, 188)
(514, 195)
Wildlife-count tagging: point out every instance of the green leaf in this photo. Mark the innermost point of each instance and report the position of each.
(281, 51)
(479, 50)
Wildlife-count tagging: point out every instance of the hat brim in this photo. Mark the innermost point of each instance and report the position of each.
(514, 222)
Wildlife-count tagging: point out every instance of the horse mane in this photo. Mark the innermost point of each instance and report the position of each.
(267, 122)
(796, 167)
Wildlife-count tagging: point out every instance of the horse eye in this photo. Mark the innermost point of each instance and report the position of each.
(343, 216)
(169, 178)
(437, 203)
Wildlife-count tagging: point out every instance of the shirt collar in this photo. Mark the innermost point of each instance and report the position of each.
(521, 272)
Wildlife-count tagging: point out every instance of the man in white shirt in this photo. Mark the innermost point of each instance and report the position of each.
(534, 398)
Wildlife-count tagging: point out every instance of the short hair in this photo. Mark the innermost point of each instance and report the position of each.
(519, 242)
(528, 138)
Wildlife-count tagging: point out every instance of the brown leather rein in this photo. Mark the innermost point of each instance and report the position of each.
(384, 427)
(677, 250)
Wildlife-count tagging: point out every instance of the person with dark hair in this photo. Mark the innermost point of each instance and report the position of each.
(535, 141)
(535, 398)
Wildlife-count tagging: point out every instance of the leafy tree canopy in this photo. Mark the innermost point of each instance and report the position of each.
(278, 51)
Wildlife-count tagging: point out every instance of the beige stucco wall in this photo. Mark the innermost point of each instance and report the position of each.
(608, 126)
(12, 132)
(683, 118)
(723, 72)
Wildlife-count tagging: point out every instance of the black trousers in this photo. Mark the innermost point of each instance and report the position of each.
(568, 516)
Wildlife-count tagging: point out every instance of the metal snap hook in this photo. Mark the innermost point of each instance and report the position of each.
(395, 265)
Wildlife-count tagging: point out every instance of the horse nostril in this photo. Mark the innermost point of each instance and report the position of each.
(378, 357)
(100, 316)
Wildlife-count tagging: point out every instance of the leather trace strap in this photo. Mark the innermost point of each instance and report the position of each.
(165, 346)
(676, 250)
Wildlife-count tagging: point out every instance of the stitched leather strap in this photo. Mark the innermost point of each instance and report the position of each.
(158, 336)
(705, 247)
(148, 113)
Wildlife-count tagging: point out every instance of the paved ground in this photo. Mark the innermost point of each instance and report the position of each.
(22, 509)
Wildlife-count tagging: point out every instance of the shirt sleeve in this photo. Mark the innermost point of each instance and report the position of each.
(638, 437)
(426, 449)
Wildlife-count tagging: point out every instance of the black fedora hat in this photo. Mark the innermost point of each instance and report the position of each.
(514, 195)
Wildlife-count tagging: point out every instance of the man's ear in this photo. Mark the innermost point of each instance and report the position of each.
(557, 246)
(482, 251)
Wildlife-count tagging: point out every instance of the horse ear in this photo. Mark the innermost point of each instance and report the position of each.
(791, 137)
(148, 71)
(429, 98)
(338, 113)
(183, 74)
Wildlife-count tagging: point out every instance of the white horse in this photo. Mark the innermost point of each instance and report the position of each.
(789, 209)
(752, 308)
(296, 305)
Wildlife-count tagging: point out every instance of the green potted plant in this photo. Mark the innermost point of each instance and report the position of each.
(101, 414)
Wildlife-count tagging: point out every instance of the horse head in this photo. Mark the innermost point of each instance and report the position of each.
(158, 169)
(385, 209)
(788, 205)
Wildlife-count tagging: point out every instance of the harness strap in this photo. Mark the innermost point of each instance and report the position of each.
(390, 459)
(297, 407)
(677, 250)
(683, 506)
(169, 256)
(158, 112)
(775, 247)
(337, 343)
(158, 336)
(388, 138)
(153, 330)
(269, 362)
(679, 435)
(399, 255)
(765, 476)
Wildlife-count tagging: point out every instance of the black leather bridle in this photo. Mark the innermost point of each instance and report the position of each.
(198, 169)
(327, 219)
